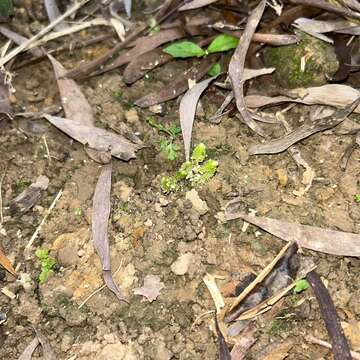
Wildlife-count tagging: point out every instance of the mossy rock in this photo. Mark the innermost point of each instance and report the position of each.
(320, 60)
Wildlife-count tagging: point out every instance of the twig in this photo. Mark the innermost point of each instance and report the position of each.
(41, 33)
(100, 288)
(32, 239)
(206, 313)
(355, 355)
(1, 204)
(47, 148)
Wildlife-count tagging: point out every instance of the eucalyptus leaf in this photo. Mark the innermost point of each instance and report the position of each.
(6, 7)
(223, 42)
(184, 49)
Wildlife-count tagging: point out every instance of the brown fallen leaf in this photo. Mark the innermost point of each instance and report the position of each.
(195, 4)
(6, 264)
(340, 346)
(307, 129)
(75, 105)
(30, 196)
(177, 87)
(187, 111)
(151, 288)
(352, 332)
(100, 218)
(242, 346)
(277, 351)
(96, 138)
(237, 63)
(309, 237)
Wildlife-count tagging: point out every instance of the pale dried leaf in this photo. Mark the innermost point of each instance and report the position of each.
(187, 111)
(100, 218)
(75, 105)
(96, 138)
(27, 353)
(151, 288)
(195, 4)
(53, 13)
(306, 236)
(48, 352)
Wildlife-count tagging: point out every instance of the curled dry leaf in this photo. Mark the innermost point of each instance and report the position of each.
(6, 264)
(237, 63)
(151, 288)
(187, 111)
(176, 88)
(307, 129)
(306, 236)
(96, 138)
(27, 353)
(100, 218)
(48, 352)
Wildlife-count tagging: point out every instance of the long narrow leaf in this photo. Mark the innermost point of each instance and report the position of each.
(187, 111)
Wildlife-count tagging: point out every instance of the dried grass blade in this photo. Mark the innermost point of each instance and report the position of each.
(262, 275)
(303, 131)
(5, 107)
(309, 237)
(100, 218)
(340, 346)
(237, 63)
(128, 5)
(27, 353)
(240, 349)
(75, 105)
(187, 111)
(41, 33)
(178, 87)
(96, 138)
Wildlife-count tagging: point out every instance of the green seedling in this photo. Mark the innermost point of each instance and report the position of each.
(167, 147)
(215, 70)
(47, 264)
(6, 7)
(301, 285)
(78, 212)
(195, 172)
(357, 198)
(186, 49)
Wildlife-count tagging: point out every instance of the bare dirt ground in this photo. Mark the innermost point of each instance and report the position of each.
(150, 231)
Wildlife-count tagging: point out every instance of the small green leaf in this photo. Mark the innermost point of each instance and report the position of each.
(154, 26)
(300, 286)
(223, 42)
(199, 153)
(6, 7)
(169, 149)
(215, 70)
(357, 198)
(184, 49)
(174, 130)
(168, 184)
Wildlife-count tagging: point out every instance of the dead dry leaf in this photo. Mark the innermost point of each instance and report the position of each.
(75, 105)
(195, 4)
(151, 288)
(6, 264)
(27, 353)
(100, 218)
(96, 138)
(187, 111)
(309, 237)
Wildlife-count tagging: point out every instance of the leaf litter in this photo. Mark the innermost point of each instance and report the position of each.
(151, 288)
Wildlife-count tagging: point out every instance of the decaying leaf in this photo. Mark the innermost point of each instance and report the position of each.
(96, 138)
(48, 352)
(75, 105)
(27, 353)
(237, 63)
(242, 346)
(187, 111)
(5, 107)
(277, 351)
(30, 196)
(340, 346)
(100, 218)
(53, 13)
(303, 131)
(224, 353)
(309, 237)
(6, 264)
(195, 4)
(176, 88)
(151, 288)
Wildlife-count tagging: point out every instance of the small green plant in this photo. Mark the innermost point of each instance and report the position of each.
(215, 70)
(117, 94)
(78, 212)
(357, 198)
(154, 26)
(301, 285)
(196, 172)
(186, 49)
(167, 146)
(6, 7)
(47, 264)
